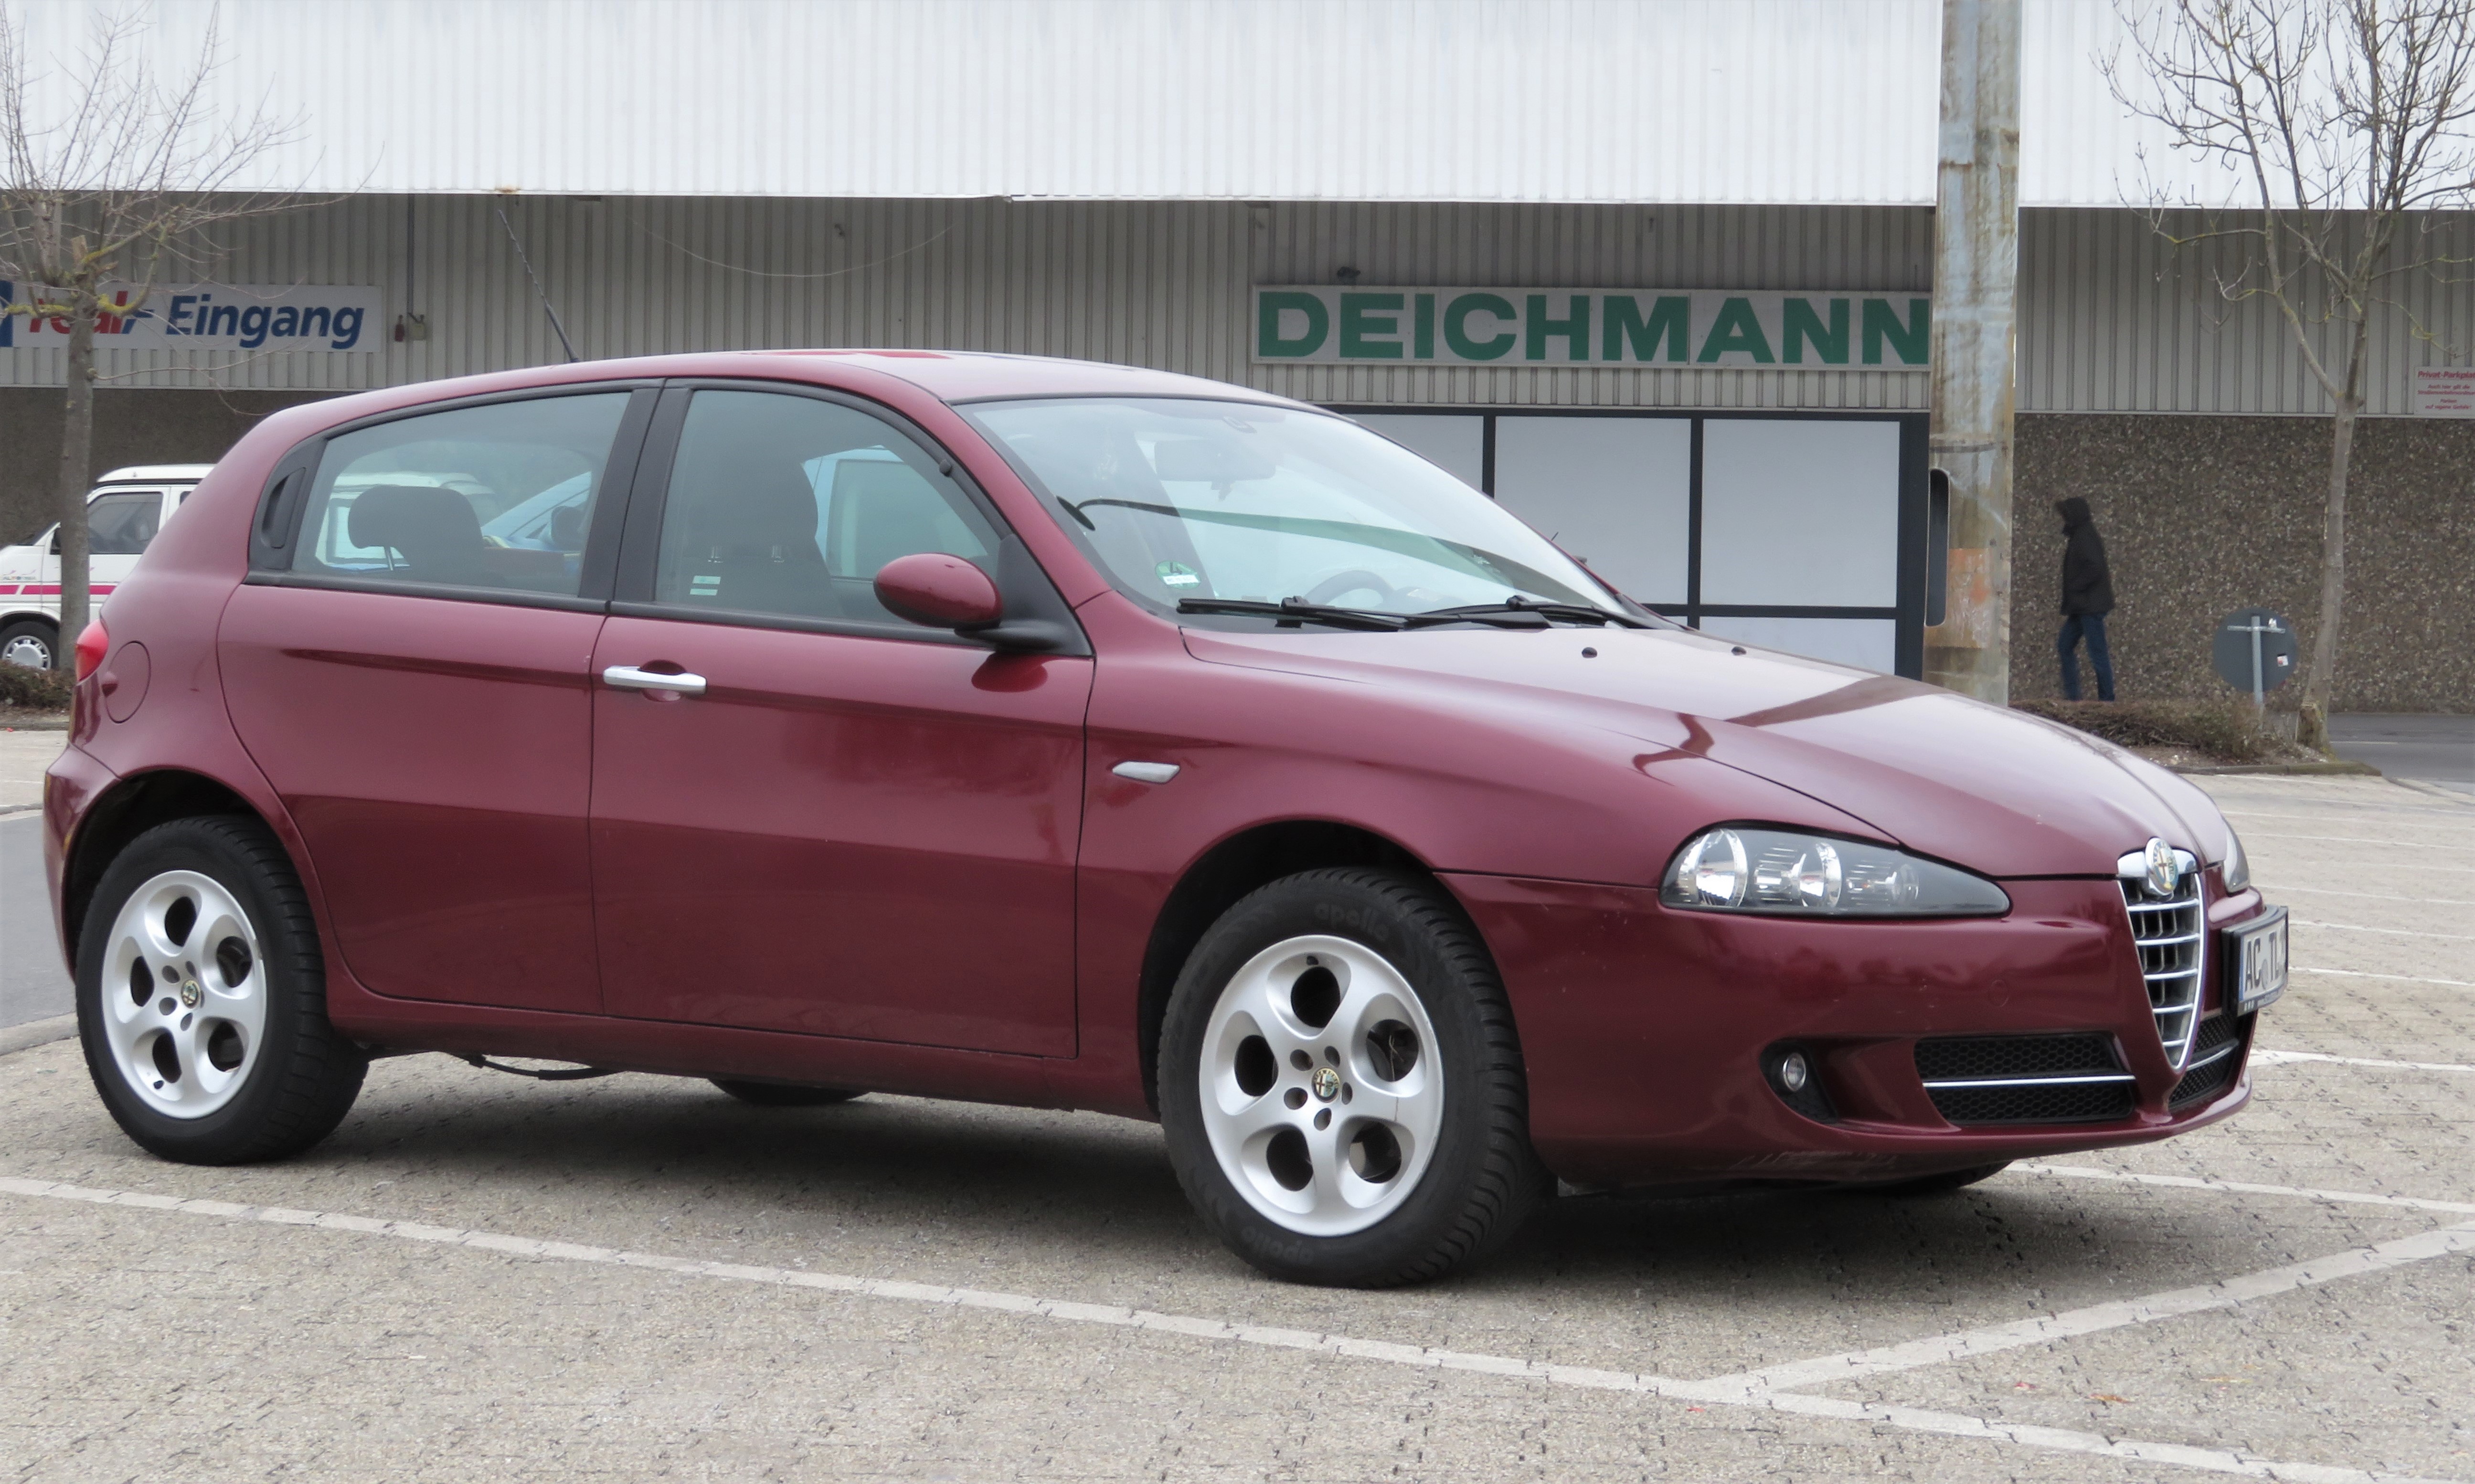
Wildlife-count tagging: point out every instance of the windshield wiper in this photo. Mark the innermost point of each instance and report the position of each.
(1291, 611)
(1570, 612)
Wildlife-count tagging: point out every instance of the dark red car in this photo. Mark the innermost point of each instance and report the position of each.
(1072, 735)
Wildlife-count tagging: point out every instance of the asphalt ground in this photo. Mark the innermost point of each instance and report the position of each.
(2430, 748)
(481, 1278)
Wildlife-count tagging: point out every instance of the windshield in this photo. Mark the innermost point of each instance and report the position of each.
(1184, 500)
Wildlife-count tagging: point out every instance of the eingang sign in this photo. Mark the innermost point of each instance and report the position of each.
(209, 317)
(1713, 329)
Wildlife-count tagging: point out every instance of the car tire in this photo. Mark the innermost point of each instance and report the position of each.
(784, 1094)
(229, 1056)
(1942, 1184)
(1341, 1085)
(32, 643)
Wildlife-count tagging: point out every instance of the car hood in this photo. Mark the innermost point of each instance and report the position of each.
(1994, 789)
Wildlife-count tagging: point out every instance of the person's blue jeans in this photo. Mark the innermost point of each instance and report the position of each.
(2100, 659)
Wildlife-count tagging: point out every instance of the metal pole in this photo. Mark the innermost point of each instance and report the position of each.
(1977, 263)
(2259, 698)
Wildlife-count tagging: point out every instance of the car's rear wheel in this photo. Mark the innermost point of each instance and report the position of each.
(784, 1094)
(30, 642)
(1341, 1085)
(202, 998)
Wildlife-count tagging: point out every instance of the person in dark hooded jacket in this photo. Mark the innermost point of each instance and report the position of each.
(2088, 596)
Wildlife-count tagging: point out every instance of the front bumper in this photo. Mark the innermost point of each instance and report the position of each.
(1647, 1032)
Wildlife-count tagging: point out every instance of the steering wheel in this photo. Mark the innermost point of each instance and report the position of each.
(1350, 582)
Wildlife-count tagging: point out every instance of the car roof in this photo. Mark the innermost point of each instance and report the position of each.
(977, 375)
(157, 473)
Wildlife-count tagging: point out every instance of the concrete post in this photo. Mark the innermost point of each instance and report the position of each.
(1977, 263)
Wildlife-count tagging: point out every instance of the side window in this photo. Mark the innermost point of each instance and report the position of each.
(122, 524)
(492, 497)
(789, 505)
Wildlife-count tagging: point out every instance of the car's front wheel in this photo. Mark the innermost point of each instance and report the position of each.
(1341, 1086)
(202, 998)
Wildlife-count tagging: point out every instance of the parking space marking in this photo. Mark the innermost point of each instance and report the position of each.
(2367, 840)
(2372, 896)
(2407, 979)
(1727, 1391)
(2263, 1056)
(2348, 927)
(2245, 1187)
(2044, 1328)
(2378, 811)
(2066, 1440)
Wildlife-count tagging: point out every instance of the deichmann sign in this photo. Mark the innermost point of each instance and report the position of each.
(1593, 327)
(209, 317)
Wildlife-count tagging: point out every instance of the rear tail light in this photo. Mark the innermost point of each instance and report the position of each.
(91, 646)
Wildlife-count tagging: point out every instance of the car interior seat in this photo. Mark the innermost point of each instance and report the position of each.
(752, 544)
(430, 530)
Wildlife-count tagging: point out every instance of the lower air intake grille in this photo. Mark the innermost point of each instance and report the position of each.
(1948, 1058)
(2213, 1058)
(2026, 1079)
(2036, 1102)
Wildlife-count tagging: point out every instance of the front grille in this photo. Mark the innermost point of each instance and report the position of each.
(2168, 933)
(2073, 1078)
(2213, 1058)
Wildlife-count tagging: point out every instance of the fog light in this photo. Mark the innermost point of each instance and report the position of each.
(1793, 1073)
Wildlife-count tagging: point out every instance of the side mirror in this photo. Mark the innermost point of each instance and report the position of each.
(938, 591)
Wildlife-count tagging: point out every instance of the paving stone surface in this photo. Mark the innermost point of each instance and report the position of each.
(141, 1341)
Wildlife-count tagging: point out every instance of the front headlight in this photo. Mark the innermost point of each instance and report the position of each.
(1783, 873)
(2236, 872)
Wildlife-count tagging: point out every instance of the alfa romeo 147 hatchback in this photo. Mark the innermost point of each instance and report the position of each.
(1071, 736)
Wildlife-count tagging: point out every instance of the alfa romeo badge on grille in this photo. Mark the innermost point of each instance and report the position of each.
(2163, 872)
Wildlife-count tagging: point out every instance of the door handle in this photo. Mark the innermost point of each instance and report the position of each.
(628, 677)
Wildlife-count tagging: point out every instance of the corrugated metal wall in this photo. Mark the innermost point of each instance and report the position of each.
(1726, 101)
(2110, 319)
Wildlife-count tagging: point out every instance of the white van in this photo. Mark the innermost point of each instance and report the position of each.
(123, 514)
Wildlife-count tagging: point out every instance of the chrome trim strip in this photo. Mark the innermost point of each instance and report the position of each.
(2030, 1081)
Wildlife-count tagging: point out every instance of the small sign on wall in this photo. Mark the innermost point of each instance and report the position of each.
(2444, 390)
(207, 317)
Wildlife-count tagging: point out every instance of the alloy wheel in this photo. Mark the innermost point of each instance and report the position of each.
(184, 994)
(1322, 1095)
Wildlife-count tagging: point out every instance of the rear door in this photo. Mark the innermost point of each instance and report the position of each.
(407, 662)
(820, 819)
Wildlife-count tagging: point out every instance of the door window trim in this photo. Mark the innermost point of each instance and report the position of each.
(1023, 582)
(276, 528)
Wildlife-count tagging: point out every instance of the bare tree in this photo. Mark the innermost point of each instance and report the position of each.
(118, 185)
(2345, 123)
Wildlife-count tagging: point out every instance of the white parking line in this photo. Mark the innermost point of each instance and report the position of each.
(2262, 1056)
(2367, 840)
(1725, 1391)
(2370, 896)
(2350, 812)
(2244, 1188)
(2404, 979)
(2348, 927)
(2044, 1328)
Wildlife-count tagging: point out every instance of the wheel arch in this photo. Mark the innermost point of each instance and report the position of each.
(128, 809)
(1215, 881)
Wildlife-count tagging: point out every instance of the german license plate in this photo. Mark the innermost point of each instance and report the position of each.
(2256, 961)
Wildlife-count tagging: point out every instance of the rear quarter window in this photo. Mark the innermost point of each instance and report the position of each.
(491, 497)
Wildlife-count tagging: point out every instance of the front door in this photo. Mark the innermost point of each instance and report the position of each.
(816, 817)
(413, 682)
